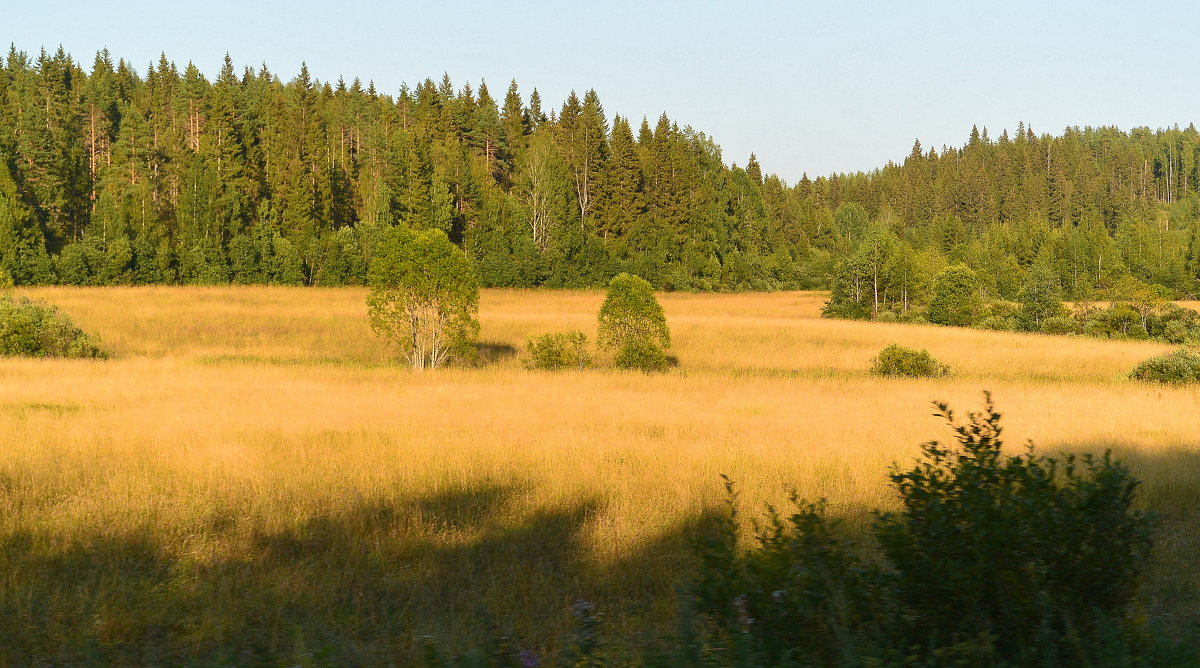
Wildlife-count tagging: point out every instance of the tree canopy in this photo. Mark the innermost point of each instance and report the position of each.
(424, 297)
(955, 298)
(630, 311)
(109, 175)
(632, 322)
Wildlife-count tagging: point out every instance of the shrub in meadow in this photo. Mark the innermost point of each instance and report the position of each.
(641, 355)
(561, 350)
(1174, 324)
(1059, 325)
(896, 360)
(1000, 323)
(36, 329)
(955, 297)
(1177, 332)
(1176, 368)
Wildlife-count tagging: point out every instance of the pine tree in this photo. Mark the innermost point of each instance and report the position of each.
(515, 123)
(753, 170)
(621, 202)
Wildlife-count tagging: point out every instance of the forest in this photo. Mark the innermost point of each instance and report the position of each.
(111, 177)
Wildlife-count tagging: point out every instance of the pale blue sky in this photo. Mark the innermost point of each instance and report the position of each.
(809, 87)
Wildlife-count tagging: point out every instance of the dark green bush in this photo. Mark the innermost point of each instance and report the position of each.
(1174, 324)
(998, 560)
(36, 329)
(897, 360)
(562, 350)
(1120, 321)
(641, 355)
(1096, 327)
(1043, 553)
(1179, 367)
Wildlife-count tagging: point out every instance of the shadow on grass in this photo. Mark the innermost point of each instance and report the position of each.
(492, 352)
(369, 581)
(365, 584)
(1170, 490)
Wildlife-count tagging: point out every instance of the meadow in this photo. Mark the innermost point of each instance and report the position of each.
(253, 479)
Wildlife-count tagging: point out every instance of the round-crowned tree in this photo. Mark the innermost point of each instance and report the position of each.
(632, 322)
(955, 298)
(424, 297)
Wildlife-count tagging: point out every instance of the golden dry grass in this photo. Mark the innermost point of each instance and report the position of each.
(251, 475)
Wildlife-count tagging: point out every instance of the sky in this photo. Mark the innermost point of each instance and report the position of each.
(812, 88)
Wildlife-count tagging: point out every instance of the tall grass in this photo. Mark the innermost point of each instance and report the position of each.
(252, 478)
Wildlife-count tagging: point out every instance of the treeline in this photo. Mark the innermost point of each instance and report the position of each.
(1094, 209)
(108, 176)
(111, 177)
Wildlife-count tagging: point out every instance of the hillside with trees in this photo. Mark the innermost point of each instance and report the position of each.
(108, 176)
(1092, 213)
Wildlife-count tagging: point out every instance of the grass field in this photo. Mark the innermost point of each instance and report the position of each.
(251, 480)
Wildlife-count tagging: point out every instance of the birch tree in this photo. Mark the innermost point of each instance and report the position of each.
(424, 297)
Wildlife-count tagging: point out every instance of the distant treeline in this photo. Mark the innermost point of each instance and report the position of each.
(111, 177)
(1096, 210)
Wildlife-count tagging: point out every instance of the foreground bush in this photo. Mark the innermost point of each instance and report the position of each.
(897, 360)
(1045, 554)
(562, 350)
(36, 329)
(1021, 560)
(1179, 367)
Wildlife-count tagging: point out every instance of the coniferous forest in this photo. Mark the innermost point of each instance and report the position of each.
(113, 176)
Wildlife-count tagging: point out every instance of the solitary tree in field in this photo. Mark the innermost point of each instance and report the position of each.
(424, 296)
(632, 322)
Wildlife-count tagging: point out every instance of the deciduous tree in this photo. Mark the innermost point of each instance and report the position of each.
(632, 322)
(424, 297)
